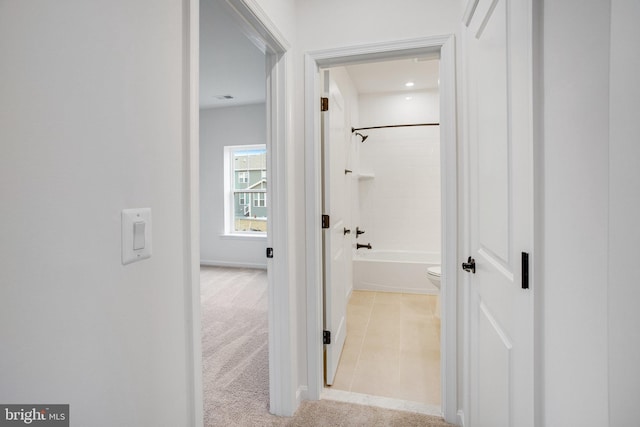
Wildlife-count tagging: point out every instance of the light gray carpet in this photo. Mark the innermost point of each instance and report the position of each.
(236, 363)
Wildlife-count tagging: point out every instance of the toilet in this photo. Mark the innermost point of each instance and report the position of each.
(433, 273)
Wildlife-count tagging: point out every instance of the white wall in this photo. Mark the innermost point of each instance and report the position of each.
(333, 23)
(91, 122)
(575, 212)
(279, 13)
(624, 212)
(242, 125)
(400, 206)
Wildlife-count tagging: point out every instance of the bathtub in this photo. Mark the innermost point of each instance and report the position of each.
(394, 271)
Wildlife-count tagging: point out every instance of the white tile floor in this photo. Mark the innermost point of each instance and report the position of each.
(392, 347)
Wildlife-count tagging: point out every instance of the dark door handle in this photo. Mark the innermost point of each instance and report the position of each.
(470, 265)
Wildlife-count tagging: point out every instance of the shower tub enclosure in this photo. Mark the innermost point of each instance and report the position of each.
(394, 271)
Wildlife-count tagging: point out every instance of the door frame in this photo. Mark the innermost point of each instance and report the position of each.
(265, 35)
(445, 45)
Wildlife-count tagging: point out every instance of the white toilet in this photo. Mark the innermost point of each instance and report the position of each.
(433, 273)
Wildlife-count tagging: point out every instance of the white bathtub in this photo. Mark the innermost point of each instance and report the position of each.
(394, 271)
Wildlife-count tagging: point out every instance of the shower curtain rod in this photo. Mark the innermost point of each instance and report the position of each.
(395, 126)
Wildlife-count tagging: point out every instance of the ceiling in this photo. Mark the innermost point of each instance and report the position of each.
(391, 76)
(230, 64)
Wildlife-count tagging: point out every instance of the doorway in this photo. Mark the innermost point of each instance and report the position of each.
(384, 135)
(233, 216)
(273, 47)
(434, 47)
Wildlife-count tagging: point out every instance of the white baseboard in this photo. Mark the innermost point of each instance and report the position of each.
(210, 263)
(461, 418)
(301, 394)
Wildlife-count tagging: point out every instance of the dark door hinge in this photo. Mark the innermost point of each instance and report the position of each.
(269, 252)
(525, 270)
(326, 337)
(325, 221)
(324, 104)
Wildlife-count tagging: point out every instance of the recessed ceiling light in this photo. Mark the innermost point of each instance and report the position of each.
(409, 98)
(409, 84)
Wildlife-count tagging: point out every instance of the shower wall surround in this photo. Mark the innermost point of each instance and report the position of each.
(400, 206)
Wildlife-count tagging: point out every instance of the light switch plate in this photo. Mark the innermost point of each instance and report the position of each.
(129, 218)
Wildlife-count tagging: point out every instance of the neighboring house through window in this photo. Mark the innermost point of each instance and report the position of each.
(245, 200)
(259, 200)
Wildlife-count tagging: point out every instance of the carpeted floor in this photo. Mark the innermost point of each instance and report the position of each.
(236, 364)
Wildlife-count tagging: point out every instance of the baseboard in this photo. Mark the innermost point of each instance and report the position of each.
(461, 418)
(210, 263)
(301, 394)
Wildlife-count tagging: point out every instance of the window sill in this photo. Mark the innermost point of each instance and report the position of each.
(243, 236)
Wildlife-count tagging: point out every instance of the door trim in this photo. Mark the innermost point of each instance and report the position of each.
(191, 188)
(282, 368)
(445, 46)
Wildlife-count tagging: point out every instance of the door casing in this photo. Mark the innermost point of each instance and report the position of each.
(445, 47)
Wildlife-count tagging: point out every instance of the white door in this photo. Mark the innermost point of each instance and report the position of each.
(335, 242)
(501, 212)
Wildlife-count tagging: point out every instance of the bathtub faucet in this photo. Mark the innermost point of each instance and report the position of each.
(359, 246)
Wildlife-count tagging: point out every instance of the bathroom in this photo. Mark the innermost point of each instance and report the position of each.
(392, 347)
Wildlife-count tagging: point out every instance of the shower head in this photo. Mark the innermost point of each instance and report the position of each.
(364, 137)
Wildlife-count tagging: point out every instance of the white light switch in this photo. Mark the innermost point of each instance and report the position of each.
(136, 235)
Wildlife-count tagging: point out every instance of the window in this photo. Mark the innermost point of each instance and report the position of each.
(246, 189)
(259, 200)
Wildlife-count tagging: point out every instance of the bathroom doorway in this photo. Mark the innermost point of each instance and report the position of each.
(389, 229)
(360, 164)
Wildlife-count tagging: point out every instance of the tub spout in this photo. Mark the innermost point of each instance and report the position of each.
(359, 246)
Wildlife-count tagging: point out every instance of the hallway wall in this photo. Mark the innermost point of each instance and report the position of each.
(91, 122)
(591, 184)
(624, 211)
